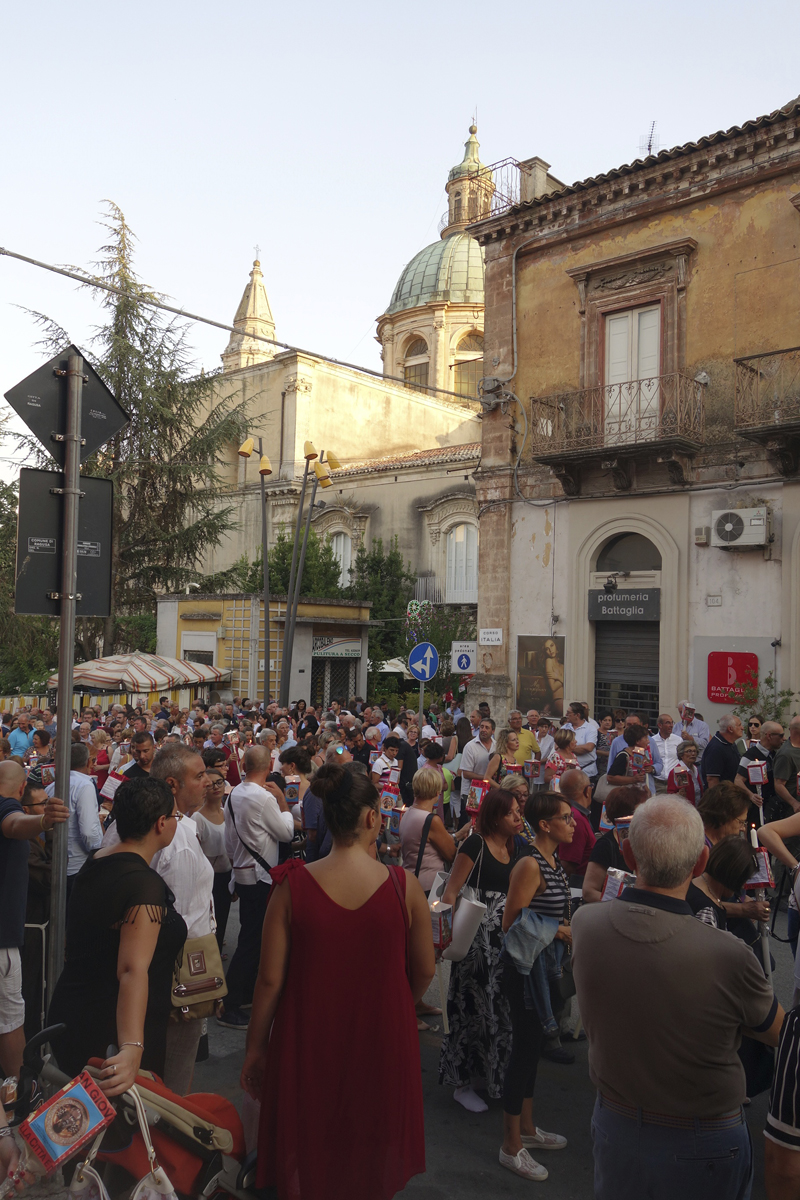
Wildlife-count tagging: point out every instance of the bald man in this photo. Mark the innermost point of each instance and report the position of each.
(257, 820)
(16, 827)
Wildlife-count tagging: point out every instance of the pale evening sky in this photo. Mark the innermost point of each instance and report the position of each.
(324, 133)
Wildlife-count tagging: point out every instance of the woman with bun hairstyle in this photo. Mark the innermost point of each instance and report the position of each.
(346, 953)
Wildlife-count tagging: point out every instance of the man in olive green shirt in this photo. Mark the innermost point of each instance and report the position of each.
(528, 745)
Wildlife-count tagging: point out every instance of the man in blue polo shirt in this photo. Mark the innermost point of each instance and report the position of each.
(21, 738)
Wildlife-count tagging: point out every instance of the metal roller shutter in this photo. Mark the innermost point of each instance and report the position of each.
(626, 667)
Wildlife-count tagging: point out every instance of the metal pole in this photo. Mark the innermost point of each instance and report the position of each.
(284, 689)
(66, 663)
(421, 705)
(295, 599)
(264, 549)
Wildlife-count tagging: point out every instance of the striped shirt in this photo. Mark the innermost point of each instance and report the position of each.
(783, 1118)
(553, 900)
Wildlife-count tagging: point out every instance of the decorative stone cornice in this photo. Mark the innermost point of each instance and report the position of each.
(744, 156)
(446, 511)
(298, 383)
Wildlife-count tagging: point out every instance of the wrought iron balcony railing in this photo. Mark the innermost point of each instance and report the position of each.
(768, 389)
(428, 587)
(666, 409)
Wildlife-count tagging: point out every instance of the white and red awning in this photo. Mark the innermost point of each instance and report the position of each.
(141, 673)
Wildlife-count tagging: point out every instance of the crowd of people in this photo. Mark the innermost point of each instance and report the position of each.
(333, 830)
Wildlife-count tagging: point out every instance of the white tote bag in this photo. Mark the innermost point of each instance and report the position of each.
(469, 912)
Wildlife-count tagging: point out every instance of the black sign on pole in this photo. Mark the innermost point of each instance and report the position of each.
(630, 605)
(39, 558)
(41, 402)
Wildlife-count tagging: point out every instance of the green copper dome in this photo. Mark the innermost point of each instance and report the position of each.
(449, 271)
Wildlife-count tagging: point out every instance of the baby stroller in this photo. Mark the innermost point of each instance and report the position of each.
(198, 1139)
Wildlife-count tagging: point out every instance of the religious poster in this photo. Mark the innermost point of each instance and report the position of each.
(540, 674)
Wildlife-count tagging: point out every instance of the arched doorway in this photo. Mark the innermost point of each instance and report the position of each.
(627, 643)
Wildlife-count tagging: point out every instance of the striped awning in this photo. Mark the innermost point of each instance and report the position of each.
(141, 673)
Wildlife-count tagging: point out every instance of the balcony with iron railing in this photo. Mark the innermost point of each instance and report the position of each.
(458, 591)
(767, 403)
(658, 418)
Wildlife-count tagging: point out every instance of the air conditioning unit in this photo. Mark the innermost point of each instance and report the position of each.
(737, 528)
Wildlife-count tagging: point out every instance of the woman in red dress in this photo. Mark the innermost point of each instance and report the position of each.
(345, 955)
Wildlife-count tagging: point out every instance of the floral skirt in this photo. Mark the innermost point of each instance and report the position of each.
(479, 1043)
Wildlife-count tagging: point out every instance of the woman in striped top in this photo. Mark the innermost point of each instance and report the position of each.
(537, 882)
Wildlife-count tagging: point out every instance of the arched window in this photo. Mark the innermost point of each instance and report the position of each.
(468, 370)
(342, 545)
(629, 552)
(457, 207)
(415, 370)
(462, 565)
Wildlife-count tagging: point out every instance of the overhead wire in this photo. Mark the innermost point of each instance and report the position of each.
(92, 281)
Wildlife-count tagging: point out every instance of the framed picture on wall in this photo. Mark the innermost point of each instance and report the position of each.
(540, 674)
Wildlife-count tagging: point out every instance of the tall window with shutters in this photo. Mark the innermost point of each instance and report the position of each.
(343, 549)
(633, 367)
(462, 565)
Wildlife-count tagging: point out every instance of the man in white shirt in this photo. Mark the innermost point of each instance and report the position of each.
(692, 728)
(257, 819)
(84, 831)
(190, 877)
(475, 758)
(667, 743)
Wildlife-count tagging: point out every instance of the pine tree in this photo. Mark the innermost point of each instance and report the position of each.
(382, 577)
(321, 571)
(169, 494)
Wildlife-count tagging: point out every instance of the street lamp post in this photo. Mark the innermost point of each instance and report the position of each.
(322, 478)
(309, 454)
(264, 469)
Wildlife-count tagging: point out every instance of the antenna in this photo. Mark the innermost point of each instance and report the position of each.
(649, 143)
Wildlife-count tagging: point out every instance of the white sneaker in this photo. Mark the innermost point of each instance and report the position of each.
(470, 1099)
(543, 1141)
(522, 1164)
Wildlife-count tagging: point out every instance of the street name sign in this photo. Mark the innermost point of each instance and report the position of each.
(39, 544)
(463, 656)
(423, 661)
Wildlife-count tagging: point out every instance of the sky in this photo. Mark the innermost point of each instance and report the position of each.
(324, 133)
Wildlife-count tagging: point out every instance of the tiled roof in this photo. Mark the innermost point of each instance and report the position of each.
(414, 458)
(780, 114)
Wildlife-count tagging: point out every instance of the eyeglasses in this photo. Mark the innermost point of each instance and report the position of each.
(568, 819)
(753, 724)
(178, 816)
(742, 822)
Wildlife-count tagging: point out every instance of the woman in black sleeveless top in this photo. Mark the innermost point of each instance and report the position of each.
(537, 882)
(123, 936)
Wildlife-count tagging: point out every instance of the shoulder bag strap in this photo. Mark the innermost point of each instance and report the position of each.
(261, 862)
(478, 862)
(393, 875)
(423, 841)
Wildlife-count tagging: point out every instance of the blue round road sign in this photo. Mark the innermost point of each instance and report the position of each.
(423, 661)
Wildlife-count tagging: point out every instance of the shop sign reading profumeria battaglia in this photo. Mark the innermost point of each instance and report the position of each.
(644, 604)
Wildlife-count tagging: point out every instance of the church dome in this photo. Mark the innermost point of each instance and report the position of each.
(449, 271)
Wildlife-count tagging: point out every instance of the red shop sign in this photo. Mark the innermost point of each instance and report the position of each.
(729, 674)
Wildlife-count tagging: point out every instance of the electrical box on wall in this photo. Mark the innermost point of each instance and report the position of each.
(739, 528)
(702, 535)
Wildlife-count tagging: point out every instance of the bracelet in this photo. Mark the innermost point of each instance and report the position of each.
(6, 1132)
(139, 1044)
